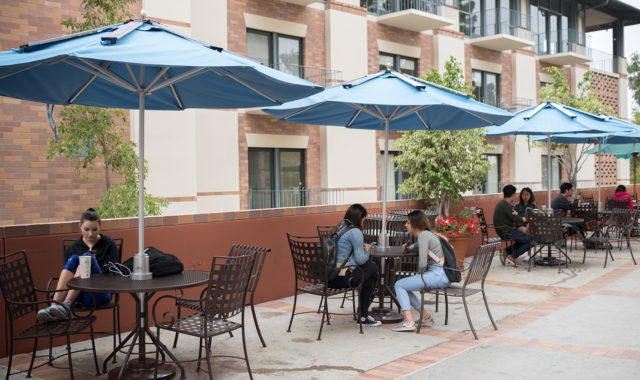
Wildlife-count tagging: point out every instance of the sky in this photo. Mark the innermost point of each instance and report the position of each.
(603, 41)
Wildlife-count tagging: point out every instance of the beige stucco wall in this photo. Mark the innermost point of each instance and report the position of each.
(587, 172)
(624, 172)
(217, 151)
(346, 41)
(523, 71)
(209, 21)
(445, 46)
(169, 10)
(527, 160)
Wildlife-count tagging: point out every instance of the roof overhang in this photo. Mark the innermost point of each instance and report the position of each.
(304, 3)
(500, 42)
(414, 20)
(567, 58)
(600, 14)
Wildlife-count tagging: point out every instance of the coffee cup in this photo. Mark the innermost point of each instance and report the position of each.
(85, 266)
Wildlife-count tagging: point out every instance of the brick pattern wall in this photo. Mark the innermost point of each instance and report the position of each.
(609, 170)
(34, 189)
(606, 88)
(377, 31)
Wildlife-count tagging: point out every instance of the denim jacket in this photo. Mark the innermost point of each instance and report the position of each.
(352, 240)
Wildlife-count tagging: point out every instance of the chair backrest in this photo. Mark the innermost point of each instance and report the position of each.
(260, 253)
(620, 220)
(484, 228)
(309, 263)
(69, 242)
(480, 263)
(587, 197)
(325, 231)
(618, 203)
(372, 227)
(227, 289)
(545, 229)
(17, 284)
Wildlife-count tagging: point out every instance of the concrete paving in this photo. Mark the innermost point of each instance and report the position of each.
(579, 323)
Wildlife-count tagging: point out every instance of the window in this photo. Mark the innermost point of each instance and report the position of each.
(275, 50)
(276, 177)
(488, 17)
(555, 23)
(400, 63)
(492, 183)
(486, 87)
(395, 177)
(556, 172)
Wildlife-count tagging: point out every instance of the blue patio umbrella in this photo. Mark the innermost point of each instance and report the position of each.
(141, 64)
(548, 118)
(389, 100)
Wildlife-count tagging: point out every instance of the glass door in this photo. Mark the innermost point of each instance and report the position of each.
(291, 173)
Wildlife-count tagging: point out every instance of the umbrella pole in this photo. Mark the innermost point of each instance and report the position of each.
(383, 240)
(549, 172)
(599, 174)
(634, 155)
(141, 260)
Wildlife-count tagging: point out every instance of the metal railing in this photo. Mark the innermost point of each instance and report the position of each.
(501, 20)
(320, 75)
(259, 199)
(570, 41)
(392, 195)
(516, 104)
(383, 7)
(603, 61)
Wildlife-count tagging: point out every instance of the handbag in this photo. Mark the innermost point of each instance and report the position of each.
(160, 263)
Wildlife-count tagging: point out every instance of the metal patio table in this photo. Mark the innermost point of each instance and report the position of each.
(550, 260)
(381, 257)
(141, 291)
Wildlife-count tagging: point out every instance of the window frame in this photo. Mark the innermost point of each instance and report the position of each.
(274, 48)
(396, 62)
(482, 95)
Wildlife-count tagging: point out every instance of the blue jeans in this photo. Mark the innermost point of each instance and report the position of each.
(521, 243)
(83, 298)
(434, 277)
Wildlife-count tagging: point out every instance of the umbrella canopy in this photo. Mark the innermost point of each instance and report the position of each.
(390, 100)
(619, 150)
(550, 118)
(140, 64)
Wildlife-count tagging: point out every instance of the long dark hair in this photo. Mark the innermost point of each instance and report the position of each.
(532, 199)
(90, 215)
(419, 220)
(354, 215)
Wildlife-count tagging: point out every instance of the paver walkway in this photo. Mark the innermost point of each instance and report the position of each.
(579, 323)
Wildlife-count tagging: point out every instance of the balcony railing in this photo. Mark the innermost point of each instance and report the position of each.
(516, 104)
(383, 7)
(497, 21)
(259, 199)
(603, 61)
(570, 41)
(319, 75)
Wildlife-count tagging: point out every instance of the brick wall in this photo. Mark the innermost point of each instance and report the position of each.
(377, 31)
(34, 189)
(606, 88)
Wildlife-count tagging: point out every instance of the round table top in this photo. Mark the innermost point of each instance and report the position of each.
(571, 220)
(109, 283)
(394, 251)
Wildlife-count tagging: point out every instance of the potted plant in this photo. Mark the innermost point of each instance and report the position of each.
(459, 229)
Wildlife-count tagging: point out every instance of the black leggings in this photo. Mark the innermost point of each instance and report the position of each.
(353, 278)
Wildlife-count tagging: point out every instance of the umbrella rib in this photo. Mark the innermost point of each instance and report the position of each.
(408, 111)
(102, 73)
(175, 94)
(365, 110)
(489, 122)
(301, 111)
(395, 111)
(52, 62)
(422, 120)
(158, 76)
(222, 72)
(353, 119)
(382, 115)
(87, 84)
(175, 79)
(133, 77)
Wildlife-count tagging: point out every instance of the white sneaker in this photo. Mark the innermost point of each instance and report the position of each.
(405, 327)
(429, 322)
(525, 258)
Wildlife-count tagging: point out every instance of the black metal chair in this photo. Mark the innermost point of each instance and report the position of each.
(21, 300)
(372, 228)
(324, 232)
(236, 250)
(224, 298)
(114, 305)
(310, 268)
(475, 272)
(484, 233)
(546, 232)
(617, 230)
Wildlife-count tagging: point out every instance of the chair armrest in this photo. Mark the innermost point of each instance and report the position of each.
(196, 303)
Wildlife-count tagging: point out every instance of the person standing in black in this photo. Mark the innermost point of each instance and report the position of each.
(505, 221)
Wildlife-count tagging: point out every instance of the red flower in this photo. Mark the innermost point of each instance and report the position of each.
(458, 233)
(450, 233)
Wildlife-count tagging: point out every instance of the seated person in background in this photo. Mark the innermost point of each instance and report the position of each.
(561, 202)
(104, 250)
(505, 221)
(622, 195)
(527, 201)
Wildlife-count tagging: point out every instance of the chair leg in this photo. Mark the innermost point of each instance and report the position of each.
(50, 350)
(69, 356)
(208, 358)
(466, 310)
(359, 311)
(320, 304)
(255, 321)
(486, 305)
(95, 356)
(115, 327)
(446, 308)
(11, 359)
(155, 370)
(584, 257)
(33, 357)
(244, 347)
(344, 297)
(293, 312)
(421, 311)
(199, 354)
(630, 250)
(175, 340)
(353, 302)
(325, 313)
(607, 252)
(437, 296)
(119, 324)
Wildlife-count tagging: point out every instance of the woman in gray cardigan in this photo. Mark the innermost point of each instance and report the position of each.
(431, 260)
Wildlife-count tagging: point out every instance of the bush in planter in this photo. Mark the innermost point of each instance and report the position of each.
(463, 224)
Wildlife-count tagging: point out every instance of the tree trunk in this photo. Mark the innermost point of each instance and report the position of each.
(107, 180)
(443, 204)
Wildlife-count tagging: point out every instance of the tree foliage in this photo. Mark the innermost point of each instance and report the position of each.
(443, 164)
(633, 69)
(87, 134)
(574, 156)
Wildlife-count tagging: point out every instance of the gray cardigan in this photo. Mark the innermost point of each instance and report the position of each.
(426, 241)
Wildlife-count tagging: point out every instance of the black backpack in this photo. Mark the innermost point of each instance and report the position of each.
(160, 263)
(330, 249)
(451, 268)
